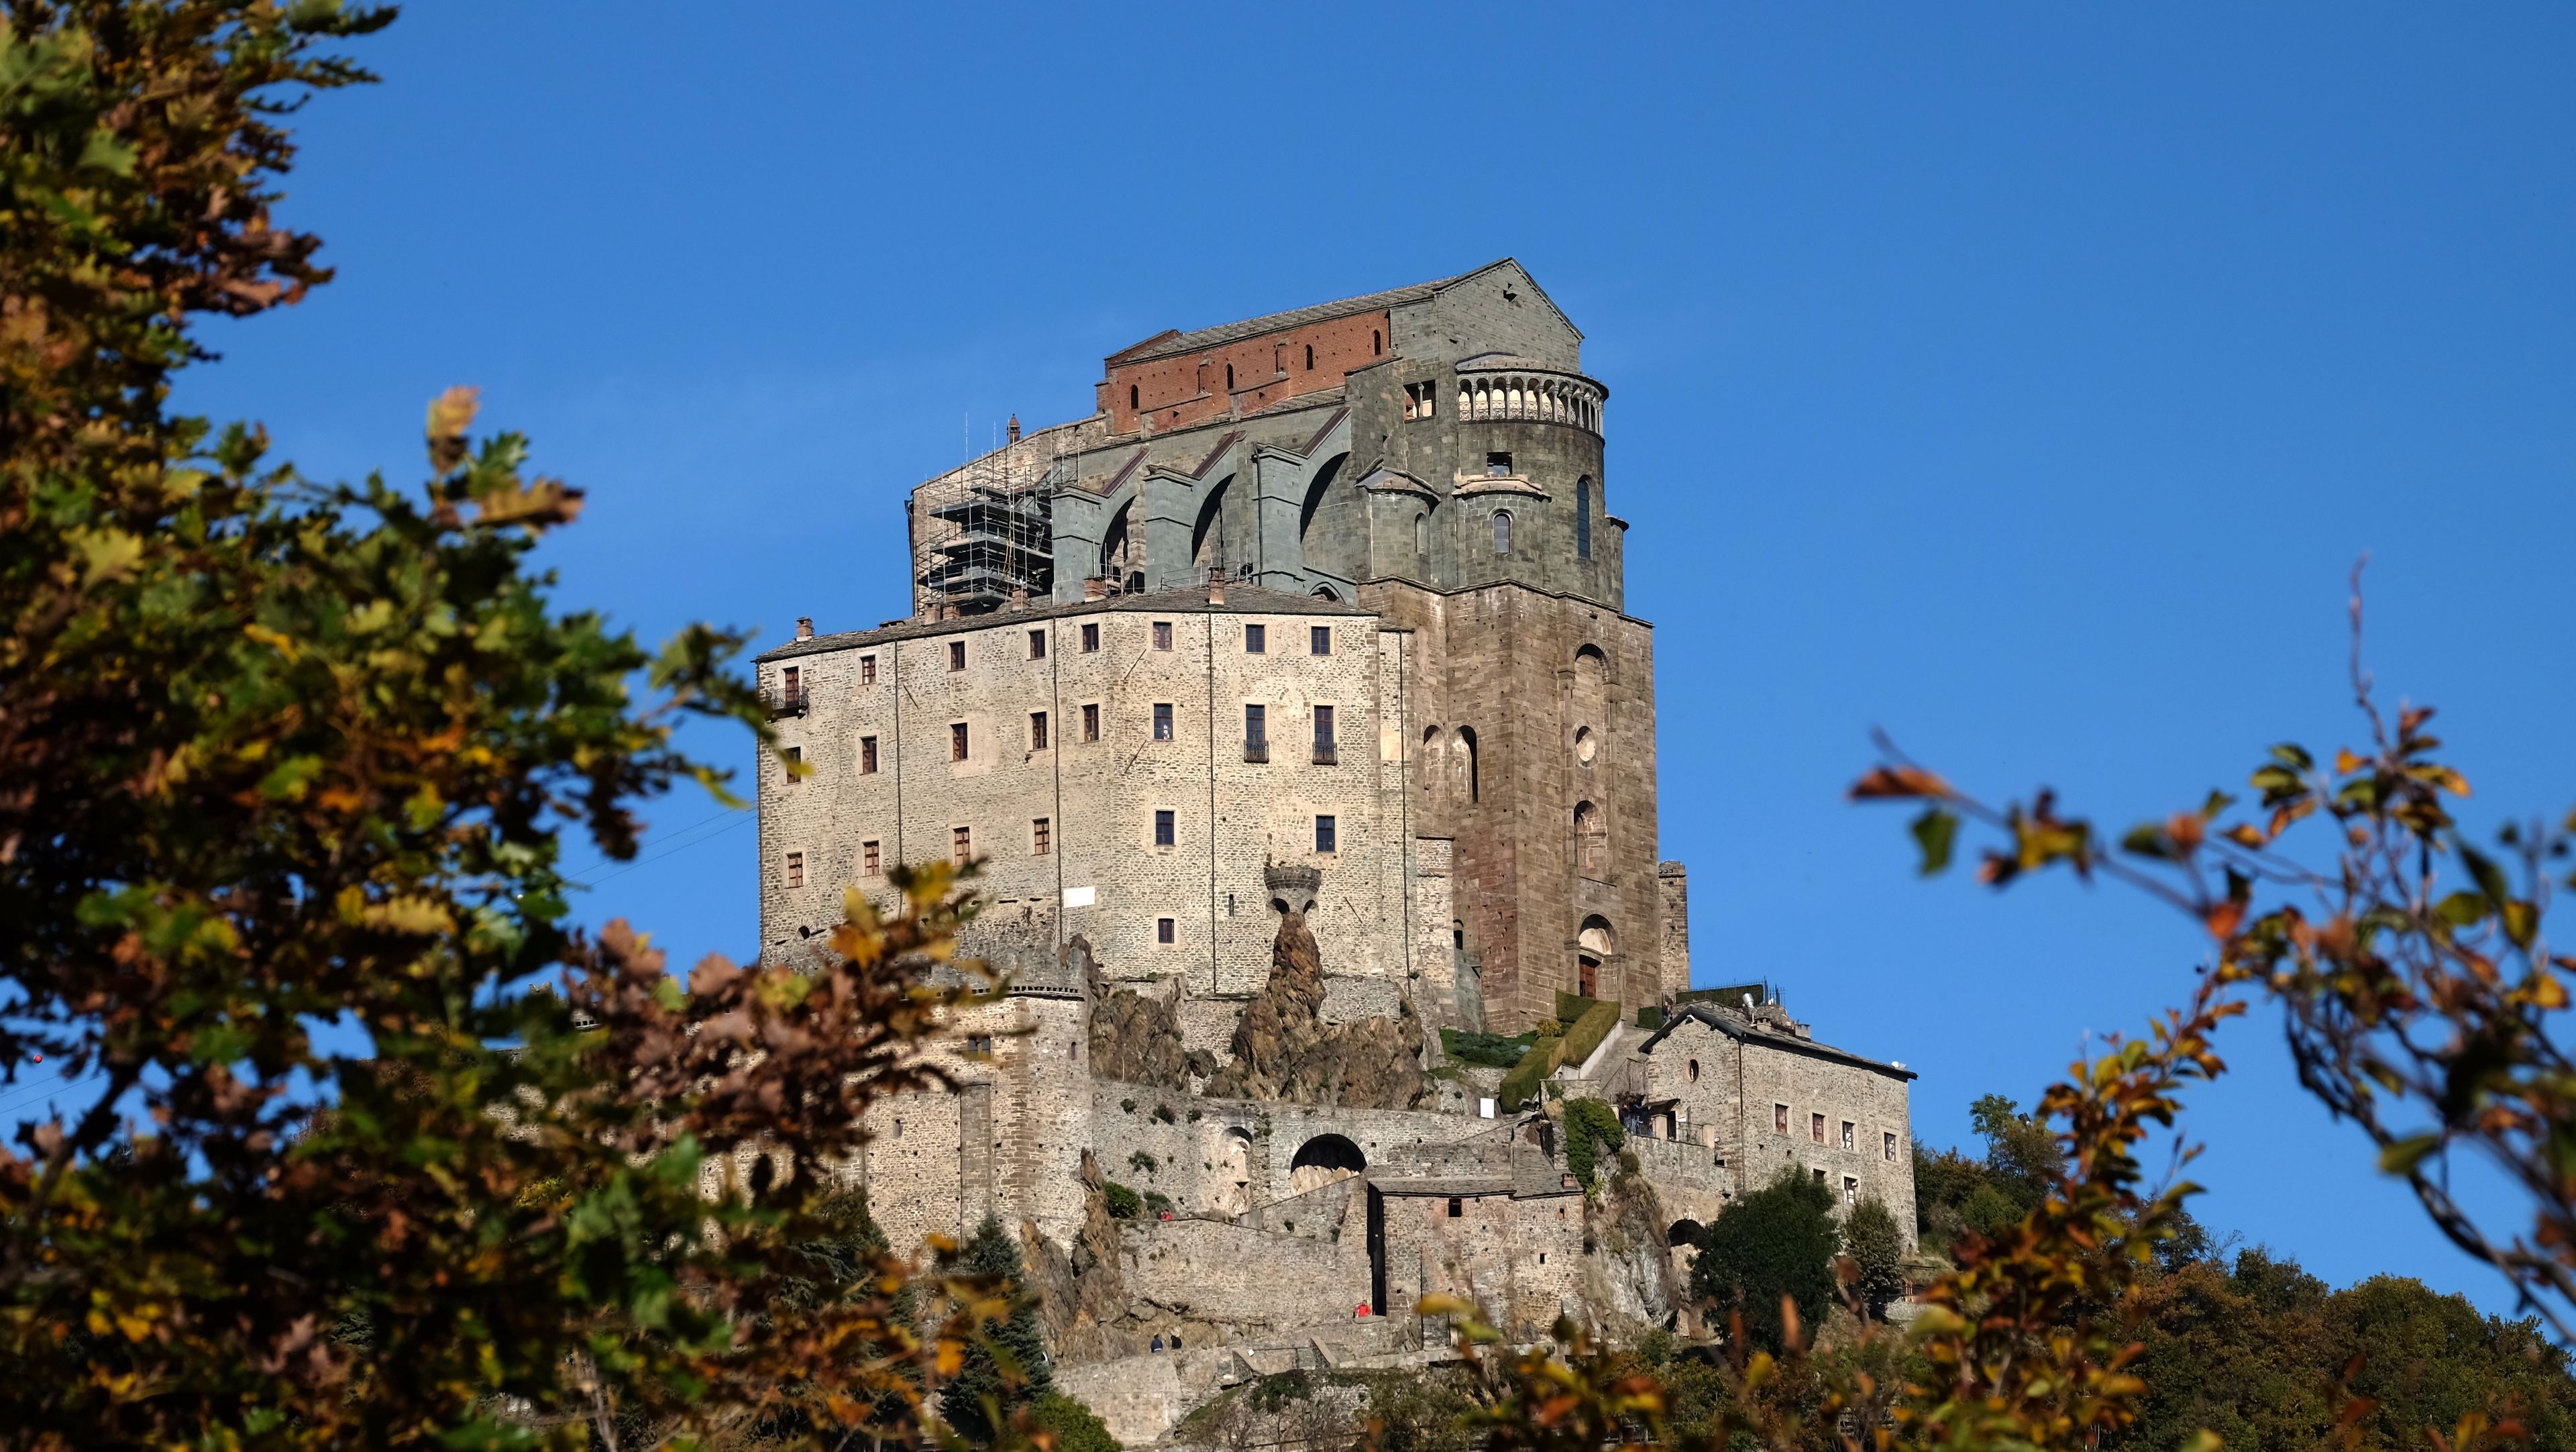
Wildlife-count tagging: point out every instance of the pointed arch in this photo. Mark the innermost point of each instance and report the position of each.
(1207, 535)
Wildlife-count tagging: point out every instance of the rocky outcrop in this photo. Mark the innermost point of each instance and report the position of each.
(1283, 1050)
(1628, 1280)
(1082, 1292)
(1136, 1037)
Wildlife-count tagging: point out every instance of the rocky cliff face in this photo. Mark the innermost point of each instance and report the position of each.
(1283, 1050)
(1628, 1283)
(1136, 1037)
(1081, 1291)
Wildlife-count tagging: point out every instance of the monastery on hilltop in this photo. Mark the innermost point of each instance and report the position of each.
(1291, 704)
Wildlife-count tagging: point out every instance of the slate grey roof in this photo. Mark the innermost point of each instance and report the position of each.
(1735, 1027)
(1182, 600)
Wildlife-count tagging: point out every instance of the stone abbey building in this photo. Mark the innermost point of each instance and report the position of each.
(1290, 703)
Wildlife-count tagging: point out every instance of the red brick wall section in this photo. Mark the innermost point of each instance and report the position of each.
(1190, 388)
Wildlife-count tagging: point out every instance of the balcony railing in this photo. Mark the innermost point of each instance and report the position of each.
(784, 701)
(1324, 754)
(1256, 750)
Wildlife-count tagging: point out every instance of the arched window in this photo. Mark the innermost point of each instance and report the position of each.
(1229, 378)
(1131, 395)
(1502, 531)
(1377, 342)
(1466, 764)
(1310, 357)
(1583, 518)
(1422, 535)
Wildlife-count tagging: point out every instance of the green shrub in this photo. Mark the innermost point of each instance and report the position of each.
(1163, 1112)
(1651, 1017)
(1156, 1202)
(1878, 1248)
(1572, 1006)
(1142, 1162)
(1487, 1051)
(1077, 1428)
(1590, 1127)
(1124, 1204)
(1548, 1028)
(1522, 1084)
(1589, 1031)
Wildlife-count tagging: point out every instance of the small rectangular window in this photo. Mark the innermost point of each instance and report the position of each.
(1325, 835)
(1457, 1206)
(1819, 1174)
(870, 860)
(1323, 730)
(1319, 639)
(1256, 725)
(1816, 1128)
(1497, 465)
(867, 756)
(1090, 639)
(1037, 731)
(1091, 722)
(1256, 639)
(1779, 1119)
(1162, 635)
(1164, 930)
(1162, 720)
(788, 688)
(1887, 1147)
(795, 869)
(1164, 835)
(1041, 838)
(962, 843)
(1851, 1191)
(867, 670)
(957, 741)
(957, 655)
(1847, 1135)
(795, 757)
(1037, 645)
(979, 1045)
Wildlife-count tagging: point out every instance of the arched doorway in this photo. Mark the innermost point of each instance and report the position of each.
(1595, 942)
(1684, 1235)
(1321, 1161)
(1234, 1173)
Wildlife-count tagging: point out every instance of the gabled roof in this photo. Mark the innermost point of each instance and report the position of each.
(1741, 1031)
(1167, 343)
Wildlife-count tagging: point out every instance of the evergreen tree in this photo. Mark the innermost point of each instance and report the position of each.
(1778, 1241)
(1878, 1246)
(1006, 1365)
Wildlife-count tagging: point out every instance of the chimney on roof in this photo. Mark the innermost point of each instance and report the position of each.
(1216, 592)
(804, 627)
(1020, 599)
(1095, 588)
(1015, 428)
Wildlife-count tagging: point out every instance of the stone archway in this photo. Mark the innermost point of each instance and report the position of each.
(1321, 1161)
(1234, 1173)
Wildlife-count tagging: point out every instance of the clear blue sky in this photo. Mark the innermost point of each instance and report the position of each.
(2023, 380)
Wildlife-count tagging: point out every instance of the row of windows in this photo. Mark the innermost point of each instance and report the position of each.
(1041, 738)
(1849, 1138)
(961, 845)
(1377, 348)
(1256, 641)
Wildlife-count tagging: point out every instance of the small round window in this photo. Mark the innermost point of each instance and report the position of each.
(1694, 1071)
(1585, 744)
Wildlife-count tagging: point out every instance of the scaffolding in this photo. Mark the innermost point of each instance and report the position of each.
(984, 532)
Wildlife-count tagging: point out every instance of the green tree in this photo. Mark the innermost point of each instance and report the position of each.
(1779, 1241)
(276, 754)
(1877, 1247)
(2023, 1159)
(1004, 1368)
(1077, 1428)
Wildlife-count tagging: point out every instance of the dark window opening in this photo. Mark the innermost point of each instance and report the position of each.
(867, 756)
(1256, 725)
(963, 841)
(957, 741)
(1583, 519)
(1165, 834)
(1319, 639)
(1162, 720)
(1091, 723)
(795, 869)
(957, 655)
(1323, 730)
(1131, 395)
(1497, 465)
(1037, 731)
(1037, 645)
(1310, 357)
(1457, 1206)
(867, 670)
(1162, 634)
(1090, 639)
(1326, 835)
(1164, 930)
(1229, 378)
(870, 858)
(1256, 639)
(1377, 342)
(1041, 837)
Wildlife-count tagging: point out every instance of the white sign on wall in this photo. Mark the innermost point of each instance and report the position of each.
(1075, 897)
